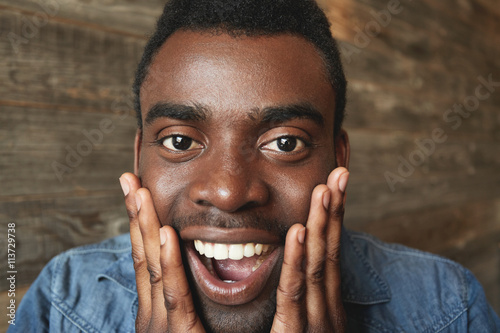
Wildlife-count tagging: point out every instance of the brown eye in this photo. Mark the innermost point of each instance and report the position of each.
(286, 144)
(180, 143)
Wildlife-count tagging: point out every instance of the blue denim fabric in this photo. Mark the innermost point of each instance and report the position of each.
(385, 287)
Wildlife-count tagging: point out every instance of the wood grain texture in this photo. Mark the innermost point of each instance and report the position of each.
(76, 69)
(112, 16)
(87, 70)
(63, 151)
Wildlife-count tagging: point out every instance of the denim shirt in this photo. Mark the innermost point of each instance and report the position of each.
(385, 288)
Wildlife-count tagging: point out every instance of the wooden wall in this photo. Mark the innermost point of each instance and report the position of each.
(66, 69)
(407, 70)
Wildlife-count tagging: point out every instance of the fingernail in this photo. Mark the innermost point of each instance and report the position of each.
(163, 236)
(301, 235)
(326, 199)
(343, 181)
(138, 201)
(124, 185)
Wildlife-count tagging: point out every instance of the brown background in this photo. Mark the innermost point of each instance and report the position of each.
(67, 65)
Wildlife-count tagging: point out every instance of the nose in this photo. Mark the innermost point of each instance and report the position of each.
(229, 184)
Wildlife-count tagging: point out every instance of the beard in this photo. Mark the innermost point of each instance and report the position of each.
(256, 316)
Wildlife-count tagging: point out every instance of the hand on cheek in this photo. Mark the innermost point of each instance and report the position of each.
(308, 296)
(162, 286)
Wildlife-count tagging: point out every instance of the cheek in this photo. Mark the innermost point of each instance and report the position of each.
(165, 184)
(292, 193)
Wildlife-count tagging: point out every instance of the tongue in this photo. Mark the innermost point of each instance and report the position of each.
(234, 270)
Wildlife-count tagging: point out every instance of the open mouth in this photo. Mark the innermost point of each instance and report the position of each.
(231, 273)
(232, 262)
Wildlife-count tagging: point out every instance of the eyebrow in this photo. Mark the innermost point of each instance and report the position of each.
(195, 112)
(268, 115)
(280, 114)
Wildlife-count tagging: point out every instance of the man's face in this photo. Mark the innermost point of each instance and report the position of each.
(237, 132)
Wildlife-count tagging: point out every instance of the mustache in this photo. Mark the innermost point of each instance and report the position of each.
(247, 220)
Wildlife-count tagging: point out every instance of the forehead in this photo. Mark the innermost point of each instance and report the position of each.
(237, 73)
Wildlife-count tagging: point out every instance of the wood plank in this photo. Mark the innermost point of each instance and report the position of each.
(45, 151)
(381, 107)
(375, 201)
(66, 65)
(460, 155)
(113, 16)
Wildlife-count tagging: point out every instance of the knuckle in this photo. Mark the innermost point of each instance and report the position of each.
(174, 298)
(337, 211)
(333, 254)
(294, 293)
(154, 275)
(285, 324)
(132, 214)
(316, 272)
(281, 318)
(139, 261)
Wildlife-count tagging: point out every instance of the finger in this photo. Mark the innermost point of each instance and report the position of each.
(291, 289)
(337, 182)
(315, 247)
(130, 184)
(150, 231)
(178, 300)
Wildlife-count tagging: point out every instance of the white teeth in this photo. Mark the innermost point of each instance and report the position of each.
(199, 246)
(249, 250)
(220, 251)
(209, 250)
(232, 251)
(236, 251)
(258, 249)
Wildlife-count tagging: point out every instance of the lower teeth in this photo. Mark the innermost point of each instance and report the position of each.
(260, 260)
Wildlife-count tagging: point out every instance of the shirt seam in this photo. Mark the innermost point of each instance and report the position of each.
(115, 281)
(97, 250)
(65, 315)
(452, 320)
(413, 252)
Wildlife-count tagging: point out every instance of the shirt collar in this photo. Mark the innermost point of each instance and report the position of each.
(361, 284)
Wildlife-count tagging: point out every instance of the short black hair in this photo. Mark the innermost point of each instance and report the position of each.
(250, 18)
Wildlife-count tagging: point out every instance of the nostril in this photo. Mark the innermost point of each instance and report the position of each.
(203, 203)
(249, 205)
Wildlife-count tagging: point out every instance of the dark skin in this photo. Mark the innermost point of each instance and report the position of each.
(255, 155)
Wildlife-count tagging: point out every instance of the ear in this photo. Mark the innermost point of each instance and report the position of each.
(342, 149)
(137, 150)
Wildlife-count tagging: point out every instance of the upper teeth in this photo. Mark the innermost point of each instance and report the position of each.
(229, 251)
